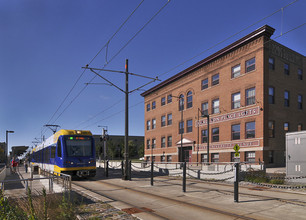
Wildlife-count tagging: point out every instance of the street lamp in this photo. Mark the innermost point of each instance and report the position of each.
(6, 147)
(181, 108)
(204, 116)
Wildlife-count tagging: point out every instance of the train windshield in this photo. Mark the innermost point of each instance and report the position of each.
(79, 146)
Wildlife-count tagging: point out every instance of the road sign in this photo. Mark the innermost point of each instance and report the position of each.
(237, 154)
(236, 148)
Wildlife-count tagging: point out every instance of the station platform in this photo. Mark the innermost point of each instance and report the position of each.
(15, 184)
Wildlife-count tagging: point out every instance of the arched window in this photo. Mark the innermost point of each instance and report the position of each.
(189, 99)
(181, 102)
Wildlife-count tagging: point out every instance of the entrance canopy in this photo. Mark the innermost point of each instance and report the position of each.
(185, 142)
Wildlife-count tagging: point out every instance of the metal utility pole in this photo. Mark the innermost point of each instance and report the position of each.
(104, 138)
(126, 172)
(126, 137)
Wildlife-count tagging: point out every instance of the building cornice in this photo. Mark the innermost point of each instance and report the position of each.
(262, 31)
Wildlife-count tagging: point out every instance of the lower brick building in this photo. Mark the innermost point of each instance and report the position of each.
(252, 92)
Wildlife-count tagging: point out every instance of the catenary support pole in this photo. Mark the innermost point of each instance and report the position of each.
(126, 144)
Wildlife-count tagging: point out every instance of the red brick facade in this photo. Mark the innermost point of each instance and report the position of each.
(235, 83)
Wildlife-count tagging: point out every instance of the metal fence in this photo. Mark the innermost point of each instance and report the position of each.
(212, 172)
(53, 182)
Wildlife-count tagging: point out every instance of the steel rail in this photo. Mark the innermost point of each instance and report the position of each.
(152, 195)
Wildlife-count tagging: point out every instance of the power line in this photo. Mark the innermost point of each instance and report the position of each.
(110, 59)
(89, 63)
(100, 112)
(295, 28)
(112, 115)
(140, 29)
(106, 45)
(281, 9)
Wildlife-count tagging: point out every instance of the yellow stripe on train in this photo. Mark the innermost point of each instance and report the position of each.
(61, 169)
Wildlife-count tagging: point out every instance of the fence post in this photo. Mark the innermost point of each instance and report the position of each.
(122, 168)
(184, 177)
(236, 183)
(50, 184)
(27, 185)
(152, 169)
(106, 169)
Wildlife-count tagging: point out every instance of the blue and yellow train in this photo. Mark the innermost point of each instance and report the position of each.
(67, 151)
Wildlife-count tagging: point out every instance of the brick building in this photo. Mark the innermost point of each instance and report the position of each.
(252, 91)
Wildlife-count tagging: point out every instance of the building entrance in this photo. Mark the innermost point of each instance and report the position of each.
(187, 154)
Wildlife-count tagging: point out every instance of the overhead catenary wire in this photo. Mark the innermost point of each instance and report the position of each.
(109, 40)
(217, 44)
(281, 9)
(120, 50)
(281, 35)
(61, 104)
(114, 114)
(99, 113)
(106, 45)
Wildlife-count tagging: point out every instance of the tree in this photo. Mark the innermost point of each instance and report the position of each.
(141, 150)
(2, 156)
(132, 149)
(111, 149)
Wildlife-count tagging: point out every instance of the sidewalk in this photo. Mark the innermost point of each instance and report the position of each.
(16, 187)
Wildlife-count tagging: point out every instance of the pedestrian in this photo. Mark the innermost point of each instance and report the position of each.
(26, 165)
(14, 165)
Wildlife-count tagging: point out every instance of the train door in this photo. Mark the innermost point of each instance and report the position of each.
(59, 154)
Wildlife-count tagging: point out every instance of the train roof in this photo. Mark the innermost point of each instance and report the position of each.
(53, 139)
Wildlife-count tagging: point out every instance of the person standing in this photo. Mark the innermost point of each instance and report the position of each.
(14, 164)
(26, 164)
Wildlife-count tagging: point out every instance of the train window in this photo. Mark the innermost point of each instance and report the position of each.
(48, 155)
(59, 148)
(53, 149)
(79, 146)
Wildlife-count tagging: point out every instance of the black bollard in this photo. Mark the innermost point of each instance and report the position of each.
(236, 183)
(184, 177)
(152, 169)
(130, 170)
(106, 169)
(122, 169)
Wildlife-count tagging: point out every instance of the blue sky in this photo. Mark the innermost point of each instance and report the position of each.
(44, 44)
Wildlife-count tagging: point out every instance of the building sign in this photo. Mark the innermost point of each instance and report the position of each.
(286, 54)
(253, 143)
(230, 116)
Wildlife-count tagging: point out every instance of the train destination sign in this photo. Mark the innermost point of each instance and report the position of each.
(229, 116)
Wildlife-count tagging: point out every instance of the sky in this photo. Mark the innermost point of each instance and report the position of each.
(45, 44)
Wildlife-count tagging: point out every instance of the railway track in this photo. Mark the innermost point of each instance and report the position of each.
(165, 200)
(153, 212)
(243, 190)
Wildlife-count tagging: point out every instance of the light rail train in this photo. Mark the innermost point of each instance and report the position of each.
(67, 151)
